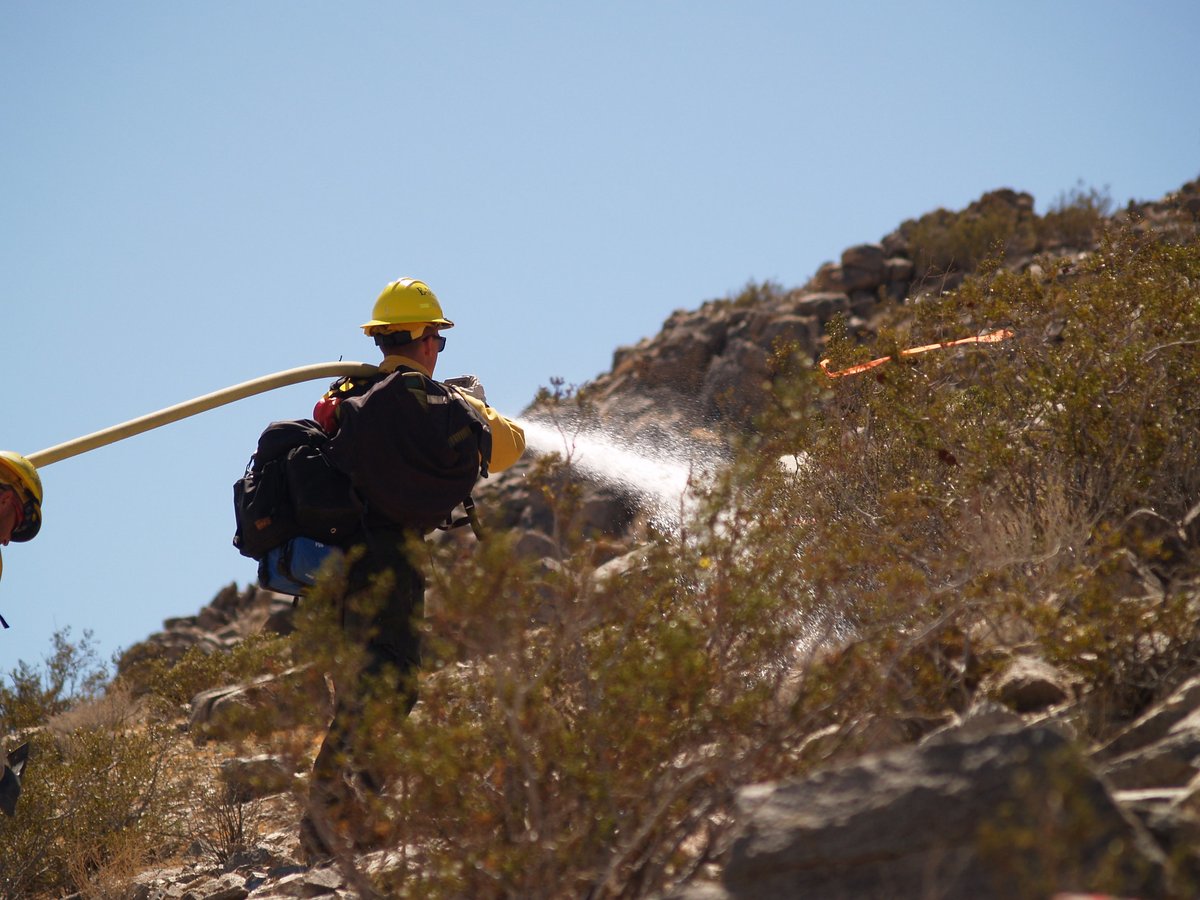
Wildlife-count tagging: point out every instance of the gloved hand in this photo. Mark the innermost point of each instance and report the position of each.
(468, 384)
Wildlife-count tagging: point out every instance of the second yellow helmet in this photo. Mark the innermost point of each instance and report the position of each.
(19, 473)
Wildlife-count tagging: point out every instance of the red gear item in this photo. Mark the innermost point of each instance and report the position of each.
(325, 413)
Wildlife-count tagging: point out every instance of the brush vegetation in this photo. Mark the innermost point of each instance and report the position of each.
(878, 547)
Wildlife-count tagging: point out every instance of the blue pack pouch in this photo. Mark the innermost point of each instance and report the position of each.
(292, 567)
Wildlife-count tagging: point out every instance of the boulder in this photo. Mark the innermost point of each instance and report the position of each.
(249, 778)
(734, 386)
(828, 278)
(930, 821)
(259, 706)
(1172, 761)
(823, 305)
(863, 267)
(679, 360)
(1154, 724)
(779, 331)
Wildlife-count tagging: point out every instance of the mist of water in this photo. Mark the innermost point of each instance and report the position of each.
(660, 479)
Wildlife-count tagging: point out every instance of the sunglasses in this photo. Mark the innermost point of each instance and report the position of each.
(441, 341)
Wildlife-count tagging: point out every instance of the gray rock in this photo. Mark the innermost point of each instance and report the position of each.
(250, 778)
(803, 331)
(978, 721)
(703, 891)
(828, 277)
(823, 305)
(604, 511)
(863, 267)
(897, 269)
(1172, 761)
(895, 245)
(680, 360)
(313, 883)
(735, 384)
(621, 566)
(229, 886)
(1154, 724)
(255, 707)
(863, 302)
(915, 822)
(533, 544)
(281, 619)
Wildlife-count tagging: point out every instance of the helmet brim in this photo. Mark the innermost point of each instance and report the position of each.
(19, 472)
(379, 323)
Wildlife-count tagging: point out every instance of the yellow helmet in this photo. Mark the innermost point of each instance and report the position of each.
(19, 473)
(406, 302)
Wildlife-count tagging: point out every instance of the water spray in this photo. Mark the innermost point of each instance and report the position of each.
(660, 478)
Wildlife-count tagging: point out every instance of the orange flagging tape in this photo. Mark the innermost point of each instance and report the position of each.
(994, 337)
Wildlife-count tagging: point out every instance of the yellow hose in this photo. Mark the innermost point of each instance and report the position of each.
(190, 408)
(198, 405)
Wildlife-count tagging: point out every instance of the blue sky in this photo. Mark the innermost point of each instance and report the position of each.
(196, 194)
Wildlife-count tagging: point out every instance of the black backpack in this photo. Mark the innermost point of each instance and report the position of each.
(407, 451)
(414, 448)
(292, 489)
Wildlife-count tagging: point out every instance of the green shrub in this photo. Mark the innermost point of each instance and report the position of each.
(942, 243)
(70, 674)
(176, 683)
(1004, 226)
(1075, 219)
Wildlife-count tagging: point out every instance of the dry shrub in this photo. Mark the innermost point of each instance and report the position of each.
(95, 803)
(584, 737)
(1076, 219)
(112, 784)
(999, 485)
(117, 709)
(104, 872)
(223, 821)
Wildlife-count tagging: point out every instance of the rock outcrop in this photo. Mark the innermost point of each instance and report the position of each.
(233, 615)
(943, 819)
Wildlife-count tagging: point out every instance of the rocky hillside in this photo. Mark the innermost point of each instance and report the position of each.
(708, 372)
(903, 820)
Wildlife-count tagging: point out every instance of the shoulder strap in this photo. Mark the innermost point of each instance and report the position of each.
(326, 410)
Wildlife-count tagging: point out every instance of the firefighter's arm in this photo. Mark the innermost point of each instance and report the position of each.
(508, 438)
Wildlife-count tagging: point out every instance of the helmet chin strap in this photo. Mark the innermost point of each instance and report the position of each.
(2, 622)
(394, 339)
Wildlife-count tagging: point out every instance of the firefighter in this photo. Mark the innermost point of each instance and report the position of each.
(406, 324)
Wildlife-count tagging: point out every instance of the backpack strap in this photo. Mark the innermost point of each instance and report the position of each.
(471, 518)
(326, 410)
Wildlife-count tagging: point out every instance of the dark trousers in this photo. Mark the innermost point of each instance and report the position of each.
(385, 623)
